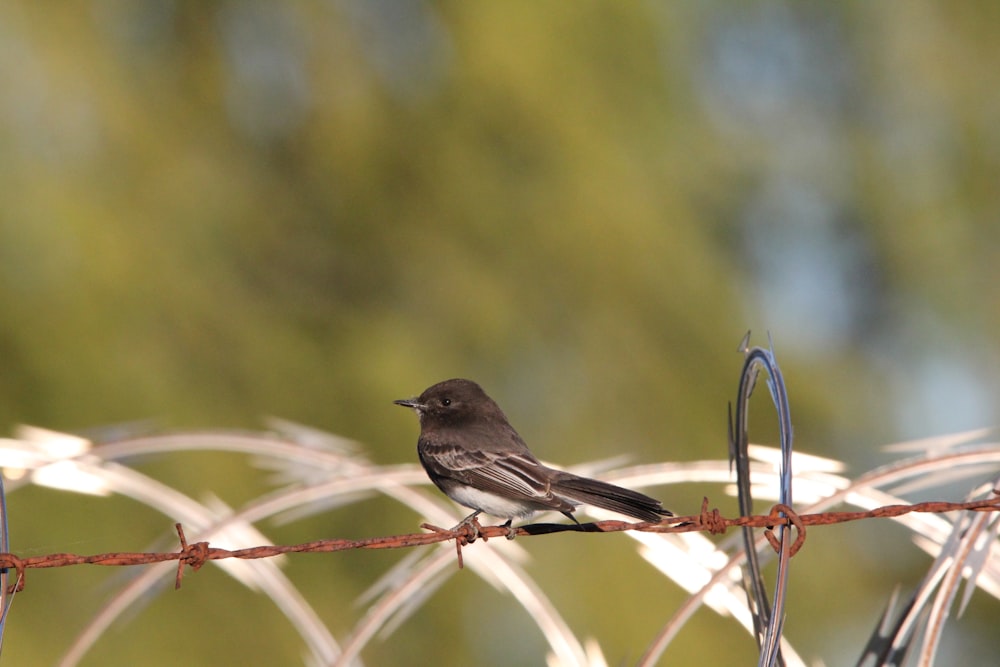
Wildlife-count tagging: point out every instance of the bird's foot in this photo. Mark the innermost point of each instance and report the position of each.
(469, 527)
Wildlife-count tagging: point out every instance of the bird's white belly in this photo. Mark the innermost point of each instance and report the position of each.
(490, 503)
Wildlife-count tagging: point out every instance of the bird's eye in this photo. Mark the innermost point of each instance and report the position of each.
(446, 402)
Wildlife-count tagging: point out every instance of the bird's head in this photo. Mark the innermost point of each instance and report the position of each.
(452, 402)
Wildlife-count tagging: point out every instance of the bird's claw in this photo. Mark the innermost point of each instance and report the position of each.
(470, 528)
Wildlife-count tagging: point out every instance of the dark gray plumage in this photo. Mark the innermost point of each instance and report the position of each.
(472, 453)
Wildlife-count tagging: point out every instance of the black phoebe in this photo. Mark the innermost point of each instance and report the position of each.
(472, 453)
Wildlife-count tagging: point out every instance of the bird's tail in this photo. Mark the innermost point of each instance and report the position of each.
(610, 497)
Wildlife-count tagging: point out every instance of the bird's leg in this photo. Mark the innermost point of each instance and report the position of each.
(511, 531)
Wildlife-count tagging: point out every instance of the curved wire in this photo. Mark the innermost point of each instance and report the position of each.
(768, 620)
(6, 597)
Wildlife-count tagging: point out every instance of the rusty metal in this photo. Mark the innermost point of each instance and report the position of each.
(710, 521)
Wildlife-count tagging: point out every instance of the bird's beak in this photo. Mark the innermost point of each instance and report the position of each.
(410, 403)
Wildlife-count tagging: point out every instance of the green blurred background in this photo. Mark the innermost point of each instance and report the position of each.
(216, 211)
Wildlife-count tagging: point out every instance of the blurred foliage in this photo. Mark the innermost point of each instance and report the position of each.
(214, 211)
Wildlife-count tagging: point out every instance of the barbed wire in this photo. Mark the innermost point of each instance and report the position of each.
(197, 554)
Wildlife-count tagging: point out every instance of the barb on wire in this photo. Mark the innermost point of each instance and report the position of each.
(768, 621)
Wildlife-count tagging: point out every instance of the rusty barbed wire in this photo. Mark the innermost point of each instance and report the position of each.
(708, 520)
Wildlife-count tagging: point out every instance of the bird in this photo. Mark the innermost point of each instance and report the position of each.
(471, 452)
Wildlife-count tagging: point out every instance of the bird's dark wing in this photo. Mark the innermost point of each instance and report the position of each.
(519, 476)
